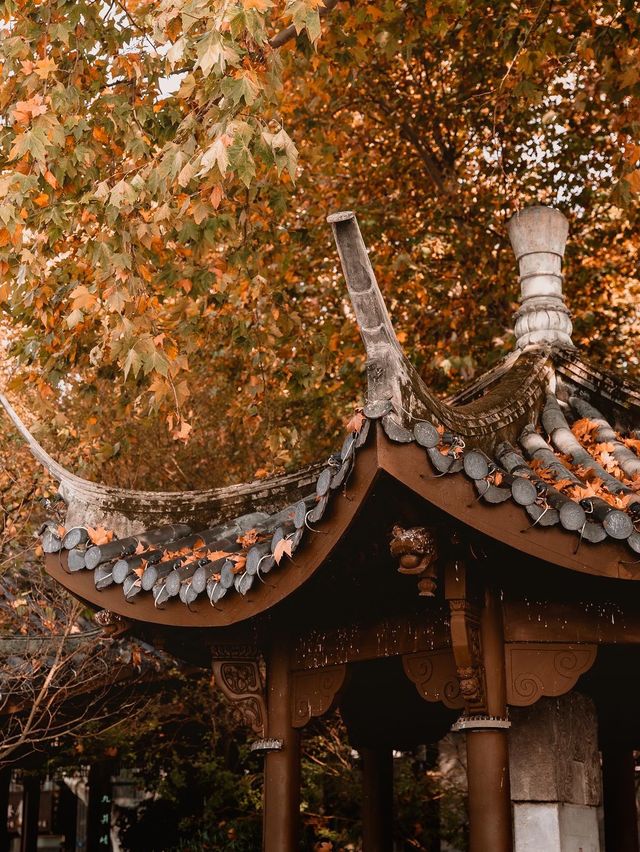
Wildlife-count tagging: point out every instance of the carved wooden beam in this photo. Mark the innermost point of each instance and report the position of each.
(241, 682)
(466, 641)
(435, 677)
(535, 669)
(314, 693)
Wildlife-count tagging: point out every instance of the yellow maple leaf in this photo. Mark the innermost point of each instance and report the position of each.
(44, 67)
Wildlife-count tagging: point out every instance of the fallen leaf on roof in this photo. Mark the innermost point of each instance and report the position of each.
(356, 423)
(248, 539)
(213, 555)
(584, 492)
(100, 535)
(282, 548)
(583, 428)
(240, 562)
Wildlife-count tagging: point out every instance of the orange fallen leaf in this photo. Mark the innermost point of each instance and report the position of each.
(213, 555)
(100, 535)
(248, 539)
(240, 562)
(356, 423)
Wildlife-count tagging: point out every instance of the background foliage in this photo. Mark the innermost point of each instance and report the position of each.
(166, 172)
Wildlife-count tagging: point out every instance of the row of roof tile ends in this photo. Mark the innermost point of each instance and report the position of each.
(176, 562)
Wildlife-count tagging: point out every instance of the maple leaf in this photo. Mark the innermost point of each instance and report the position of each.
(606, 447)
(182, 432)
(589, 474)
(283, 548)
(608, 462)
(100, 135)
(583, 428)
(563, 484)
(240, 562)
(44, 67)
(248, 539)
(584, 492)
(100, 535)
(24, 111)
(356, 423)
(214, 555)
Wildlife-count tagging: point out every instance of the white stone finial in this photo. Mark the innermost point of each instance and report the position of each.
(538, 236)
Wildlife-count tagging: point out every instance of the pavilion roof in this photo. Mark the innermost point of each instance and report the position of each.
(544, 430)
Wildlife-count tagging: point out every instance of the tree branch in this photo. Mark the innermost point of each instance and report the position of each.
(290, 32)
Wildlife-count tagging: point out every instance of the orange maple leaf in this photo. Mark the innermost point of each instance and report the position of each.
(240, 562)
(248, 539)
(100, 535)
(214, 555)
(356, 423)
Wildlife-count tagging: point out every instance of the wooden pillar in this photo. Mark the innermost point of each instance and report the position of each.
(30, 813)
(281, 815)
(619, 794)
(377, 798)
(490, 826)
(488, 776)
(5, 783)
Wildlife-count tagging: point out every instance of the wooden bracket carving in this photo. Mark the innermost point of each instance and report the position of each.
(466, 641)
(434, 675)
(241, 682)
(535, 669)
(314, 692)
(416, 550)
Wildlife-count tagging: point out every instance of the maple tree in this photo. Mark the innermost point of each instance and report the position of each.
(168, 166)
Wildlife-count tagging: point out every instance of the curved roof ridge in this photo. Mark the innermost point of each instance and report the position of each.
(133, 504)
(393, 379)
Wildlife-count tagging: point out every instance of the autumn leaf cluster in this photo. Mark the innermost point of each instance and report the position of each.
(167, 170)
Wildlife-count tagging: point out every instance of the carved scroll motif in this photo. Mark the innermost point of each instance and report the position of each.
(434, 675)
(535, 669)
(240, 681)
(314, 692)
(416, 550)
